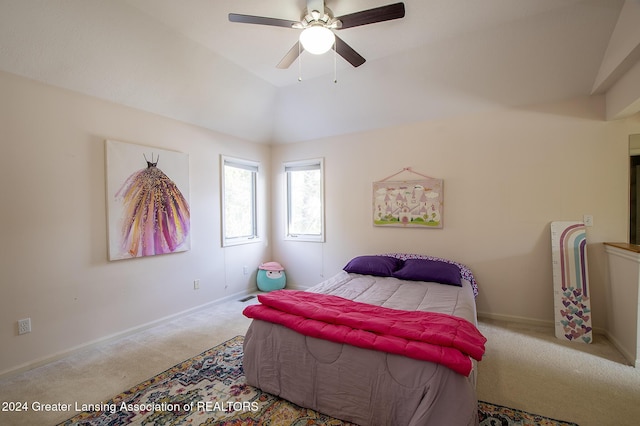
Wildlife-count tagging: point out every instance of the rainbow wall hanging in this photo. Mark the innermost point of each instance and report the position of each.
(571, 282)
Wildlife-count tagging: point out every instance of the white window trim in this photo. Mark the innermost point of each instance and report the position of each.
(249, 165)
(300, 165)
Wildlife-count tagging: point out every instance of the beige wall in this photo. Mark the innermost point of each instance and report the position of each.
(54, 266)
(507, 175)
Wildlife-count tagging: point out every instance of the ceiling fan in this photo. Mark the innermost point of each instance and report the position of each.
(318, 23)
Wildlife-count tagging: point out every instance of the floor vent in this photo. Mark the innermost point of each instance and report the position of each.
(246, 298)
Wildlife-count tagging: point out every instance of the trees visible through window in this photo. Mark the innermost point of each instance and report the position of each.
(305, 200)
(239, 198)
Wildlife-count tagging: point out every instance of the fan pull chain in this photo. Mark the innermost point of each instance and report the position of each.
(335, 63)
(299, 61)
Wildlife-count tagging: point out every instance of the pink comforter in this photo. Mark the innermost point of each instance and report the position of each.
(427, 336)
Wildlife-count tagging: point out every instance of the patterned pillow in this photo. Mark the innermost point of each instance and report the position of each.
(465, 272)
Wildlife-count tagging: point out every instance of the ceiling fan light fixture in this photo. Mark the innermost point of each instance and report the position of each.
(317, 39)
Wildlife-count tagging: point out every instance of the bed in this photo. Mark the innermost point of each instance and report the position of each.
(351, 347)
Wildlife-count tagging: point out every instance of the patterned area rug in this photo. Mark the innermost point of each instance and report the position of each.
(209, 389)
(497, 415)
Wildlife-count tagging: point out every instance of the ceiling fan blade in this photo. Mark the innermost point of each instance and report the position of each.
(348, 53)
(261, 20)
(371, 16)
(290, 57)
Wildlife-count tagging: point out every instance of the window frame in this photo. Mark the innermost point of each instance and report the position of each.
(254, 167)
(299, 165)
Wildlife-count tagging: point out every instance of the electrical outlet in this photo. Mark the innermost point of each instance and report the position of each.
(588, 220)
(24, 326)
(245, 270)
(196, 284)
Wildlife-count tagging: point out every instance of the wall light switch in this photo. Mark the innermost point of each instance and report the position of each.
(588, 220)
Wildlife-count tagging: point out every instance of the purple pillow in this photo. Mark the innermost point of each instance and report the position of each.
(381, 266)
(429, 270)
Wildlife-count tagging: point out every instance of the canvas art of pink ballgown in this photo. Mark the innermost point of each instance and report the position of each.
(156, 214)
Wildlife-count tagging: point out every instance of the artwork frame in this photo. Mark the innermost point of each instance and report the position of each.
(409, 203)
(147, 197)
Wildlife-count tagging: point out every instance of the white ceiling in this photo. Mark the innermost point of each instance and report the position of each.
(184, 59)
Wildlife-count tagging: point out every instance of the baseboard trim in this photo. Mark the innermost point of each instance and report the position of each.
(516, 319)
(531, 321)
(624, 351)
(118, 335)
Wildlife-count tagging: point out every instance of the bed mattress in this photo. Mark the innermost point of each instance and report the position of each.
(365, 386)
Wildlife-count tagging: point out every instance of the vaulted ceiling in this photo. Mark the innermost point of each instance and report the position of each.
(185, 60)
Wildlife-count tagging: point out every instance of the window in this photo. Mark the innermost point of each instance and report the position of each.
(239, 215)
(305, 200)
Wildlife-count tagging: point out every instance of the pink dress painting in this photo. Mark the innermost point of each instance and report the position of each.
(148, 212)
(156, 214)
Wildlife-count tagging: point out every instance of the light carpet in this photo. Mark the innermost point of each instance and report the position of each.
(210, 389)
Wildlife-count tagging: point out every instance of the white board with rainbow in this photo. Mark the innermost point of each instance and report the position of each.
(572, 305)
